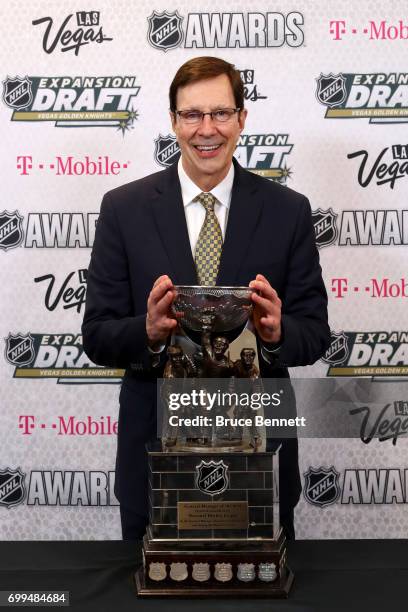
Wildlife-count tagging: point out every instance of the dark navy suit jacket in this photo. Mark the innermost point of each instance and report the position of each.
(141, 234)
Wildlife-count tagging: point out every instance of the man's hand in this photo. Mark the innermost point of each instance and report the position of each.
(266, 315)
(159, 320)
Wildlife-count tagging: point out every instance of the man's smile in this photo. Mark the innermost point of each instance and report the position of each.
(206, 151)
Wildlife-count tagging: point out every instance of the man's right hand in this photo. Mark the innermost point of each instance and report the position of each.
(159, 320)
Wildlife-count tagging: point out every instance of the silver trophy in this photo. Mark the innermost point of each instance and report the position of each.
(231, 307)
(214, 526)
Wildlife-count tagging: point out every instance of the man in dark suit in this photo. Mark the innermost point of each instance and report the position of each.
(157, 231)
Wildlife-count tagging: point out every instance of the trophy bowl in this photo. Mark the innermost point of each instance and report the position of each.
(230, 308)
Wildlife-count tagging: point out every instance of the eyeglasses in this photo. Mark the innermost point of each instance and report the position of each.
(193, 117)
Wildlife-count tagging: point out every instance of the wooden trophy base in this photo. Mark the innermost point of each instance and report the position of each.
(275, 591)
(255, 569)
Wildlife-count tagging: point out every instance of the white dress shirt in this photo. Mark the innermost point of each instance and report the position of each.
(195, 211)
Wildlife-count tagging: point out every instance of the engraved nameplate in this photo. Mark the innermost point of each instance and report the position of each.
(212, 515)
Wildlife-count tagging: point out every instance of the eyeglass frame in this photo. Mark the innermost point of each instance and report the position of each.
(178, 113)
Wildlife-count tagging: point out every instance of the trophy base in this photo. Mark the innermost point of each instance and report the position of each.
(213, 527)
(278, 590)
(236, 569)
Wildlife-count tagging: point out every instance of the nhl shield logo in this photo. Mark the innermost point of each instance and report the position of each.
(165, 30)
(19, 349)
(166, 150)
(321, 486)
(331, 89)
(17, 92)
(212, 477)
(12, 488)
(338, 350)
(324, 222)
(11, 230)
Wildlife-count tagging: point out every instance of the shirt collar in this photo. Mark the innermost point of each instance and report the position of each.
(189, 190)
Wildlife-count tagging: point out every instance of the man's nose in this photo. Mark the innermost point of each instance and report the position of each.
(207, 126)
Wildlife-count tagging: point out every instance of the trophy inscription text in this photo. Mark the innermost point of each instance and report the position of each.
(212, 515)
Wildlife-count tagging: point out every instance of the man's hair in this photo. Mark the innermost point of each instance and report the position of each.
(200, 68)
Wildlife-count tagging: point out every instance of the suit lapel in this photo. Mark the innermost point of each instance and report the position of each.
(243, 217)
(168, 210)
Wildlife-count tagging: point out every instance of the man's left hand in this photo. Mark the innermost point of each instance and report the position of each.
(266, 315)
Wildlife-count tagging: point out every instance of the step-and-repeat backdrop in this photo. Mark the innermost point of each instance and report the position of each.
(84, 109)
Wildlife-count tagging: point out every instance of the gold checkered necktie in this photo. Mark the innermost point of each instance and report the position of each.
(209, 243)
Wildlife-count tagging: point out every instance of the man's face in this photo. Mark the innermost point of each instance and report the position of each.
(207, 148)
(248, 357)
(176, 359)
(220, 345)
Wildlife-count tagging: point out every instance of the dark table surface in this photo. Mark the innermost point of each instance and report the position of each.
(340, 575)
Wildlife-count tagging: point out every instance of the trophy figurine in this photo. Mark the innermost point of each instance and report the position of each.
(213, 493)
